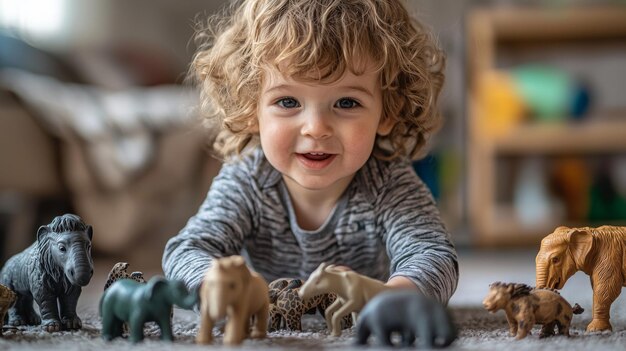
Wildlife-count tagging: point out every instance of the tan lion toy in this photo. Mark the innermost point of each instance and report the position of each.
(353, 291)
(599, 252)
(525, 307)
(230, 290)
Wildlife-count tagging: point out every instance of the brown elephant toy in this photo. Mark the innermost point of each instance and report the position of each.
(599, 252)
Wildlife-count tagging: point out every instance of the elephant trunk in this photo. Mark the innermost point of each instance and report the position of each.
(542, 274)
(79, 268)
(189, 301)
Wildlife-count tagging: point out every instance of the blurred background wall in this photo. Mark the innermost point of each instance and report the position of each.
(534, 106)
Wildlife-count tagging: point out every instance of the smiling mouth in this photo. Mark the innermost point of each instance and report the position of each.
(316, 156)
(316, 161)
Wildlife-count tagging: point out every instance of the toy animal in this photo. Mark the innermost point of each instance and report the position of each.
(599, 252)
(408, 313)
(7, 299)
(286, 306)
(119, 271)
(525, 306)
(353, 290)
(136, 303)
(230, 290)
(51, 271)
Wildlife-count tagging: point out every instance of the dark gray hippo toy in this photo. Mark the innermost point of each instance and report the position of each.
(51, 271)
(408, 313)
(137, 303)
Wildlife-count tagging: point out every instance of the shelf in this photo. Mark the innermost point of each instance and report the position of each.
(556, 23)
(603, 136)
(562, 31)
(506, 230)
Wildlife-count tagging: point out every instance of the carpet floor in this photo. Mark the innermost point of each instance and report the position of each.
(478, 330)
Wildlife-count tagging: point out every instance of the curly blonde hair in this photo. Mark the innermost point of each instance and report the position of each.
(317, 40)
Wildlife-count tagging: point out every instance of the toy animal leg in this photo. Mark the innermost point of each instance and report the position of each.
(23, 313)
(408, 337)
(234, 330)
(259, 328)
(111, 326)
(136, 328)
(363, 332)
(49, 310)
(547, 330)
(425, 333)
(344, 310)
(330, 311)
(275, 319)
(67, 306)
(524, 327)
(602, 301)
(512, 325)
(294, 322)
(166, 327)
(563, 326)
(205, 332)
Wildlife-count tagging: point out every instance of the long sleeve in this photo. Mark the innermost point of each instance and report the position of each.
(418, 245)
(219, 228)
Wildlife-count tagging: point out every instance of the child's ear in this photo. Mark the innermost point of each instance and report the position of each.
(253, 126)
(385, 126)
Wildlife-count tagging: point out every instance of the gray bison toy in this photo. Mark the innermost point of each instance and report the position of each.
(52, 271)
(408, 313)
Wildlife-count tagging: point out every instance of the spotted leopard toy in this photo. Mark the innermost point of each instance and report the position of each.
(287, 308)
(7, 299)
(119, 271)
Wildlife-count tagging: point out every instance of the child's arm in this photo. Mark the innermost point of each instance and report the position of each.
(217, 230)
(400, 282)
(418, 245)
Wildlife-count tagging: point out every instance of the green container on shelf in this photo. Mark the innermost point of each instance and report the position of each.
(546, 91)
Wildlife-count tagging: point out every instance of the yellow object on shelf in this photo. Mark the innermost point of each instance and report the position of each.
(501, 106)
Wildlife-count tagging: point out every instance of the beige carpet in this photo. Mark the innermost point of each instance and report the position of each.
(478, 330)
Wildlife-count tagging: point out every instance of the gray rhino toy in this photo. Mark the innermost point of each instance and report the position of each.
(52, 272)
(408, 313)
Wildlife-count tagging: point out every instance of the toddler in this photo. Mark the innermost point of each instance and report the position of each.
(321, 107)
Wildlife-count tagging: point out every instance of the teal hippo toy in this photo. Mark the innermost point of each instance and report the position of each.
(136, 303)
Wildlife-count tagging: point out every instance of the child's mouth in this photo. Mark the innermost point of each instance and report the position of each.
(316, 160)
(316, 156)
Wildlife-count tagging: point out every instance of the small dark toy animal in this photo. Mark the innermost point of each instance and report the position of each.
(51, 271)
(136, 303)
(408, 313)
(287, 308)
(525, 306)
(120, 271)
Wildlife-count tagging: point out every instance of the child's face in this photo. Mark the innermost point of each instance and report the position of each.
(318, 136)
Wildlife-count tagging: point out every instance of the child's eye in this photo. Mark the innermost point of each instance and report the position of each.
(346, 103)
(288, 103)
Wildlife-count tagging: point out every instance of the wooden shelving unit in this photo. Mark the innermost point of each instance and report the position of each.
(489, 31)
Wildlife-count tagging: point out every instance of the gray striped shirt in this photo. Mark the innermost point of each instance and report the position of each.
(385, 224)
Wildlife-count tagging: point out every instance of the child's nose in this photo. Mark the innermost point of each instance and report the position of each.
(317, 125)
